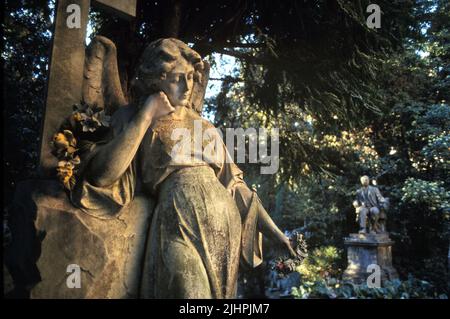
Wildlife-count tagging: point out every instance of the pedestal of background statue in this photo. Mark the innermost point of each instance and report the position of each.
(366, 249)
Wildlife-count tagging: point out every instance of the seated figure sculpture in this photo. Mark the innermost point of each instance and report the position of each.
(370, 208)
(207, 220)
(372, 244)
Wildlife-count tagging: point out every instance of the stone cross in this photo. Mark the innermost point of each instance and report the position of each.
(66, 66)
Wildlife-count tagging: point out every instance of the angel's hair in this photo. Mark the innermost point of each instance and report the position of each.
(158, 59)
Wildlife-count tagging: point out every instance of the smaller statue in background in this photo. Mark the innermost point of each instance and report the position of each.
(370, 208)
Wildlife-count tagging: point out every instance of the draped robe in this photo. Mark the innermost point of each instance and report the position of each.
(205, 221)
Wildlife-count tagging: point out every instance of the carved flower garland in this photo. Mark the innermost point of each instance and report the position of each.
(84, 126)
(64, 146)
(90, 118)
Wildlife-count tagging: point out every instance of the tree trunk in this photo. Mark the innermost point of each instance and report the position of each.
(172, 21)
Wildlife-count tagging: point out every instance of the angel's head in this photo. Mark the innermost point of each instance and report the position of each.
(168, 65)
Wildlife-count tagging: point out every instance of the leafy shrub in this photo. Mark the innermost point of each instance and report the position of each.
(332, 288)
(437, 152)
(431, 194)
(323, 262)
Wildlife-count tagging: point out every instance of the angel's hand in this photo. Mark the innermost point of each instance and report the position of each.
(157, 105)
(285, 246)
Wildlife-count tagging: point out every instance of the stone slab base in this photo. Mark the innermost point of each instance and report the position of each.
(367, 249)
(49, 234)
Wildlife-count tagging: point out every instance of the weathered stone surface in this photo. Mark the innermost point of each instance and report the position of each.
(366, 249)
(65, 81)
(207, 220)
(125, 9)
(65, 77)
(49, 234)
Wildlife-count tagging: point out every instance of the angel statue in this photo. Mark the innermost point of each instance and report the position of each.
(206, 221)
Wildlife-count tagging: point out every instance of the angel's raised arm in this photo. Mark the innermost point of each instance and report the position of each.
(113, 158)
(102, 89)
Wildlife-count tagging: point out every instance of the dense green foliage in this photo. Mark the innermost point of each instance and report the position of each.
(26, 32)
(323, 262)
(320, 278)
(348, 100)
(403, 145)
(411, 288)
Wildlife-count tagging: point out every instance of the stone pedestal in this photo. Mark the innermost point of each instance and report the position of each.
(366, 249)
(49, 234)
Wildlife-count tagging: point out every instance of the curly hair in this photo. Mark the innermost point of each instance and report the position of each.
(158, 59)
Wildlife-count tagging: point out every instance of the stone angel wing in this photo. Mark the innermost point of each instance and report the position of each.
(101, 83)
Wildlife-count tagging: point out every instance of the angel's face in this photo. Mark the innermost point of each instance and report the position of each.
(178, 83)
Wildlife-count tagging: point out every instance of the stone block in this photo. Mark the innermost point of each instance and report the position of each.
(49, 234)
(364, 250)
